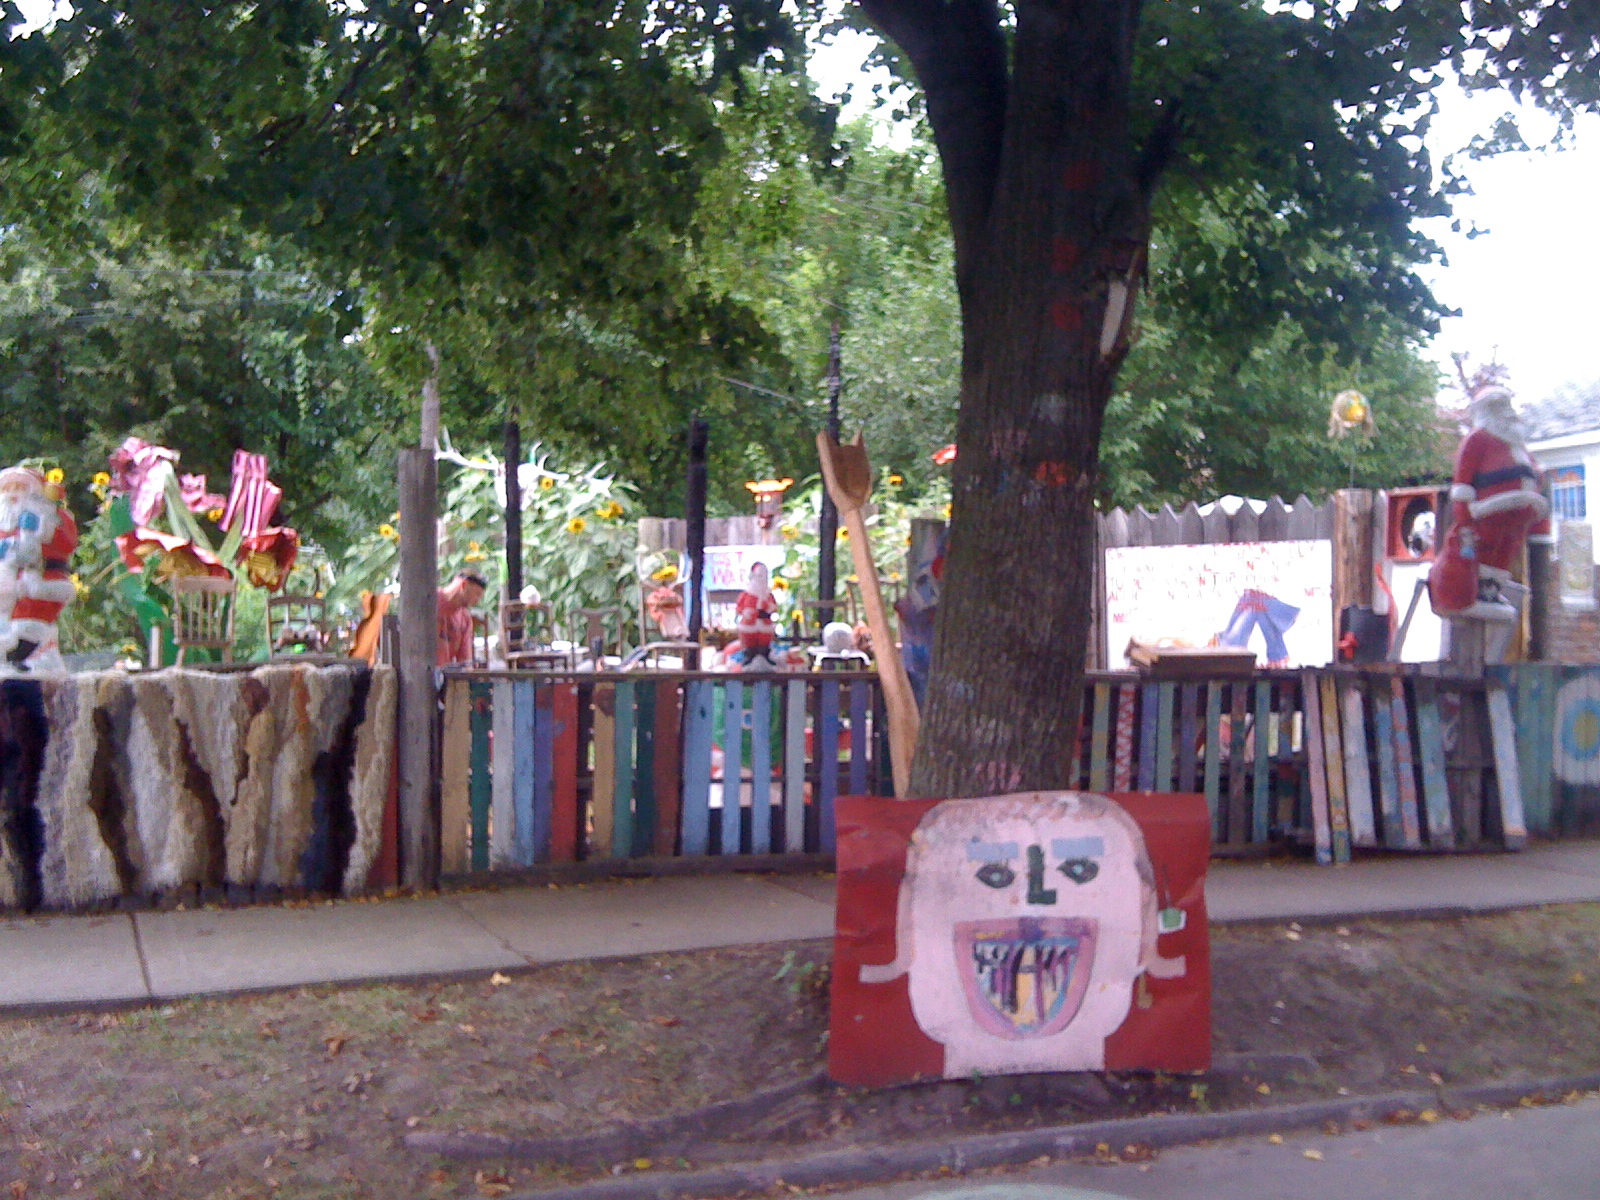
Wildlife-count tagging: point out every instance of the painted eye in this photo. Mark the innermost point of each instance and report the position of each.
(1080, 870)
(996, 875)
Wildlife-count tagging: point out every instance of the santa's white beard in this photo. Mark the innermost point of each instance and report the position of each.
(1507, 427)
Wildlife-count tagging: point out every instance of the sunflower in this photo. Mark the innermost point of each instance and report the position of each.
(55, 475)
(788, 532)
(780, 585)
(609, 511)
(546, 483)
(667, 574)
(577, 525)
(214, 516)
(388, 531)
(101, 479)
(896, 480)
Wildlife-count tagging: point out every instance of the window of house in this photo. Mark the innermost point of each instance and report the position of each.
(1567, 494)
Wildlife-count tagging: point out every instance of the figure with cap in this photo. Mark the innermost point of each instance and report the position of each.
(38, 537)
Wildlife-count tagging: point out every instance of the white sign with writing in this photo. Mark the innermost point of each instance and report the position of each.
(1275, 598)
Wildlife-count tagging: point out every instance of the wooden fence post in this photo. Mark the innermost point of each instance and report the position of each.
(416, 660)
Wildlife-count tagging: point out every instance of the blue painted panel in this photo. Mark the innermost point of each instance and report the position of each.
(699, 702)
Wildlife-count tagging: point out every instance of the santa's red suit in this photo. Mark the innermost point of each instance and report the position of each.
(1497, 503)
(38, 537)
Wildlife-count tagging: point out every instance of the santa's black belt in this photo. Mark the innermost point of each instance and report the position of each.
(1485, 479)
(55, 564)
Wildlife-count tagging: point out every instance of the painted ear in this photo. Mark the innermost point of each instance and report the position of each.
(1154, 963)
(885, 972)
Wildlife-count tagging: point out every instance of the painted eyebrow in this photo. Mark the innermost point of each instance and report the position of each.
(990, 851)
(1083, 847)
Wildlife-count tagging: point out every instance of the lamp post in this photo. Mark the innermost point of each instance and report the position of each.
(828, 518)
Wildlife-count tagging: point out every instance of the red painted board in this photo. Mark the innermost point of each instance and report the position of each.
(564, 795)
(1019, 937)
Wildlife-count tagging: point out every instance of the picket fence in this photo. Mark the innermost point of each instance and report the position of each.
(544, 769)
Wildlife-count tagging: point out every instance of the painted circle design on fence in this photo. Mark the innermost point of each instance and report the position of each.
(1577, 733)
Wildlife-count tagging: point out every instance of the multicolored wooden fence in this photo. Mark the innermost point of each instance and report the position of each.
(1334, 758)
(540, 768)
(1556, 711)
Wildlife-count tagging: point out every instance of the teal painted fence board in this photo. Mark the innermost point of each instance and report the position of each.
(1430, 750)
(700, 697)
(732, 763)
(644, 774)
(794, 765)
(482, 793)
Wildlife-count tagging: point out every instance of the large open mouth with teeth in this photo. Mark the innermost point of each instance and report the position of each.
(1025, 977)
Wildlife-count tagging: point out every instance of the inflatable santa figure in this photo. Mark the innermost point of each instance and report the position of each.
(1497, 502)
(37, 539)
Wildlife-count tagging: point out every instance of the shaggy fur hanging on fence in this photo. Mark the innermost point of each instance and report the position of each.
(115, 785)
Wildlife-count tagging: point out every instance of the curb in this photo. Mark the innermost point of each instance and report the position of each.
(843, 1168)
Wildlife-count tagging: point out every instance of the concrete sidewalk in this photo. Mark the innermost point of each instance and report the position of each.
(57, 961)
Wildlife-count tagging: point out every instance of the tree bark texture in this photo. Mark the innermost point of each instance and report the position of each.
(1049, 223)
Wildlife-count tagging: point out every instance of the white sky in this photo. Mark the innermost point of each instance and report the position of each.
(1526, 287)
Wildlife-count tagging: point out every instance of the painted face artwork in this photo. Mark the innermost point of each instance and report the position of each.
(1024, 925)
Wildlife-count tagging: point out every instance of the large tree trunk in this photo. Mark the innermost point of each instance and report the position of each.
(1049, 222)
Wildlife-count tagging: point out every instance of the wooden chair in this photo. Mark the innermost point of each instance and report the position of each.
(597, 625)
(297, 625)
(519, 641)
(202, 614)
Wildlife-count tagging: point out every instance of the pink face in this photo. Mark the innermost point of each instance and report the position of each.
(760, 581)
(1024, 923)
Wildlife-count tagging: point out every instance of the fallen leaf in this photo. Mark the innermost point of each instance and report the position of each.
(667, 1022)
(413, 1122)
(268, 1033)
(499, 980)
(1313, 1155)
(1428, 1117)
(492, 1183)
(1422, 1048)
(1578, 977)
(1435, 1078)
(1276, 1139)
(1264, 1088)
(1292, 934)
(642, 1164)
(19, 1189)
(334, 1044)
(467, 1028)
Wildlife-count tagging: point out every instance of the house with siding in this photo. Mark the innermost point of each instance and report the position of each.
(1564, 436)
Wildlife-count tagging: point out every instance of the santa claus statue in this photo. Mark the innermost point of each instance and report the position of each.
(1497, 502)
(37, 539)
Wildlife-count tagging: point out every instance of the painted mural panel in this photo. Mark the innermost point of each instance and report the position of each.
(1273, 597)
(1044, 931)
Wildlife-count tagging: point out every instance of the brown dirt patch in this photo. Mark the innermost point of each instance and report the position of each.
(315, 1092)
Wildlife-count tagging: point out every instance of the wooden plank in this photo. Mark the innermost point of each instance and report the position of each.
(668, 766)
(623, 757)
(522, 723)
(1166, 696)
(732, 763)
(1288, 807)
(1188, 735)
(1262, 775)
(1404, 767)
(482, 791)
(794, 766)
(699, 699)
(1536, 702)
(860, 739)
(544, 770)
(644, 770)
(1390, 830)
(1213, 765)
(1099, 738)
(1513, 825)
(455, 769)
(1238, 818)
(761, 765)
(1430, 752)
(1322, 829)
(1333, 759)
(827, 742)
(1147, 732)
(502, 813)
(1122, 771)
(603, 789)
(1357, 766)
(564, 766)
(1080, 735)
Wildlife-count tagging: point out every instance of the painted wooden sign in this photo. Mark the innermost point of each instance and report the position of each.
(1044, 931)
(1272, 597)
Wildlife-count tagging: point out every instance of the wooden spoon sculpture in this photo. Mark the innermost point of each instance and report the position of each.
(848, 476)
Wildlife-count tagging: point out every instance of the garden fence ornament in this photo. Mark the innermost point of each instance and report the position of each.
(38, 537)
(1497, 503)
